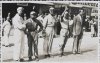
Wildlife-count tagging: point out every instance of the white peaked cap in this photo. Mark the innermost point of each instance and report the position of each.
(32, 12)
(20, 8)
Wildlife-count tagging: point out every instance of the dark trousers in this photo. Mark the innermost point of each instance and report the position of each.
(64, 43)
(70, 31)
(77, 43)
(32, 42)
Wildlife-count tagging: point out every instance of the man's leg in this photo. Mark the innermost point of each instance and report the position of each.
(79, 43)
(51, 36)
(6, 40)
(17, 45)
(36, 48)
(45, 45)
(75, 44)
(50, 43)
(22, 46)
(30, 52)
(65, 41)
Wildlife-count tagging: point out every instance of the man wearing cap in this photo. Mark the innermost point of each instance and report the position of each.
(32, 33)
(19, 28)
(77, 32)
(49, 23)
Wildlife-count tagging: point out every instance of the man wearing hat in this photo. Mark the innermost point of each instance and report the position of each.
(32, 33)
(19, 28)
(49, 24)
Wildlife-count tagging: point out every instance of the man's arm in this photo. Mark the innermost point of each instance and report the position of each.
(74, 24)
(3, 25)
(26, 29)
(45, 22)
(17, 24)
(40, 25)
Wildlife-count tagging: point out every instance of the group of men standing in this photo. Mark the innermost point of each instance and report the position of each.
(30, 28)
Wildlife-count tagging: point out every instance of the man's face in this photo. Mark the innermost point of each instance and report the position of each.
(81, 13)
(20, 12)
(33, 16)
(51, 11)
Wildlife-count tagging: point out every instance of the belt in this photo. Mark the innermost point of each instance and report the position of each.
(50, 26)
(64, 28)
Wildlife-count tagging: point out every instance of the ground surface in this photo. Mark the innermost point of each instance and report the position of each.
(88, 47)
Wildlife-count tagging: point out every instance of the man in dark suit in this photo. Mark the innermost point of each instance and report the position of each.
(77, 32)
(32, 34)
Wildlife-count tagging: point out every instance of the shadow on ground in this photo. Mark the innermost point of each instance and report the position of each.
(41, 57)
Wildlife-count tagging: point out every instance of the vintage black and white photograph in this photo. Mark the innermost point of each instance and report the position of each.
(50, 32)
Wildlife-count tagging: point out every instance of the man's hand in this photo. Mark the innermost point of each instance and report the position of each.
(23, 27)
(44, 33)
(25, 31)
(74, 34)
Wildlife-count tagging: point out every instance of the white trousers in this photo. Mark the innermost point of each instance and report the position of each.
(63, 33)
(48, 40)
(18, 44)
(6, 37)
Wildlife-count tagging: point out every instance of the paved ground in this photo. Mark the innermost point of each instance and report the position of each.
(88, 47)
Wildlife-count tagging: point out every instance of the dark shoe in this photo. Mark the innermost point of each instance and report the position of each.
(40, 36)
(7, 46)
(45, 56)
(74, 52)
(62, 54)
(78, 52)
(21, 60)
(36, 59)
(3, 45)
(30, 59)
(48, 55)
(16, 60)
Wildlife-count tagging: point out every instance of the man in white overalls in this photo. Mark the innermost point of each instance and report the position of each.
(19, 28)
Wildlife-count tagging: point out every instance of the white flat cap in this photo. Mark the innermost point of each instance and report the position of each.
(20, 8)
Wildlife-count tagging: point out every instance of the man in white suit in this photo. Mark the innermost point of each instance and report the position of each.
(19, 28)
(49, 24)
